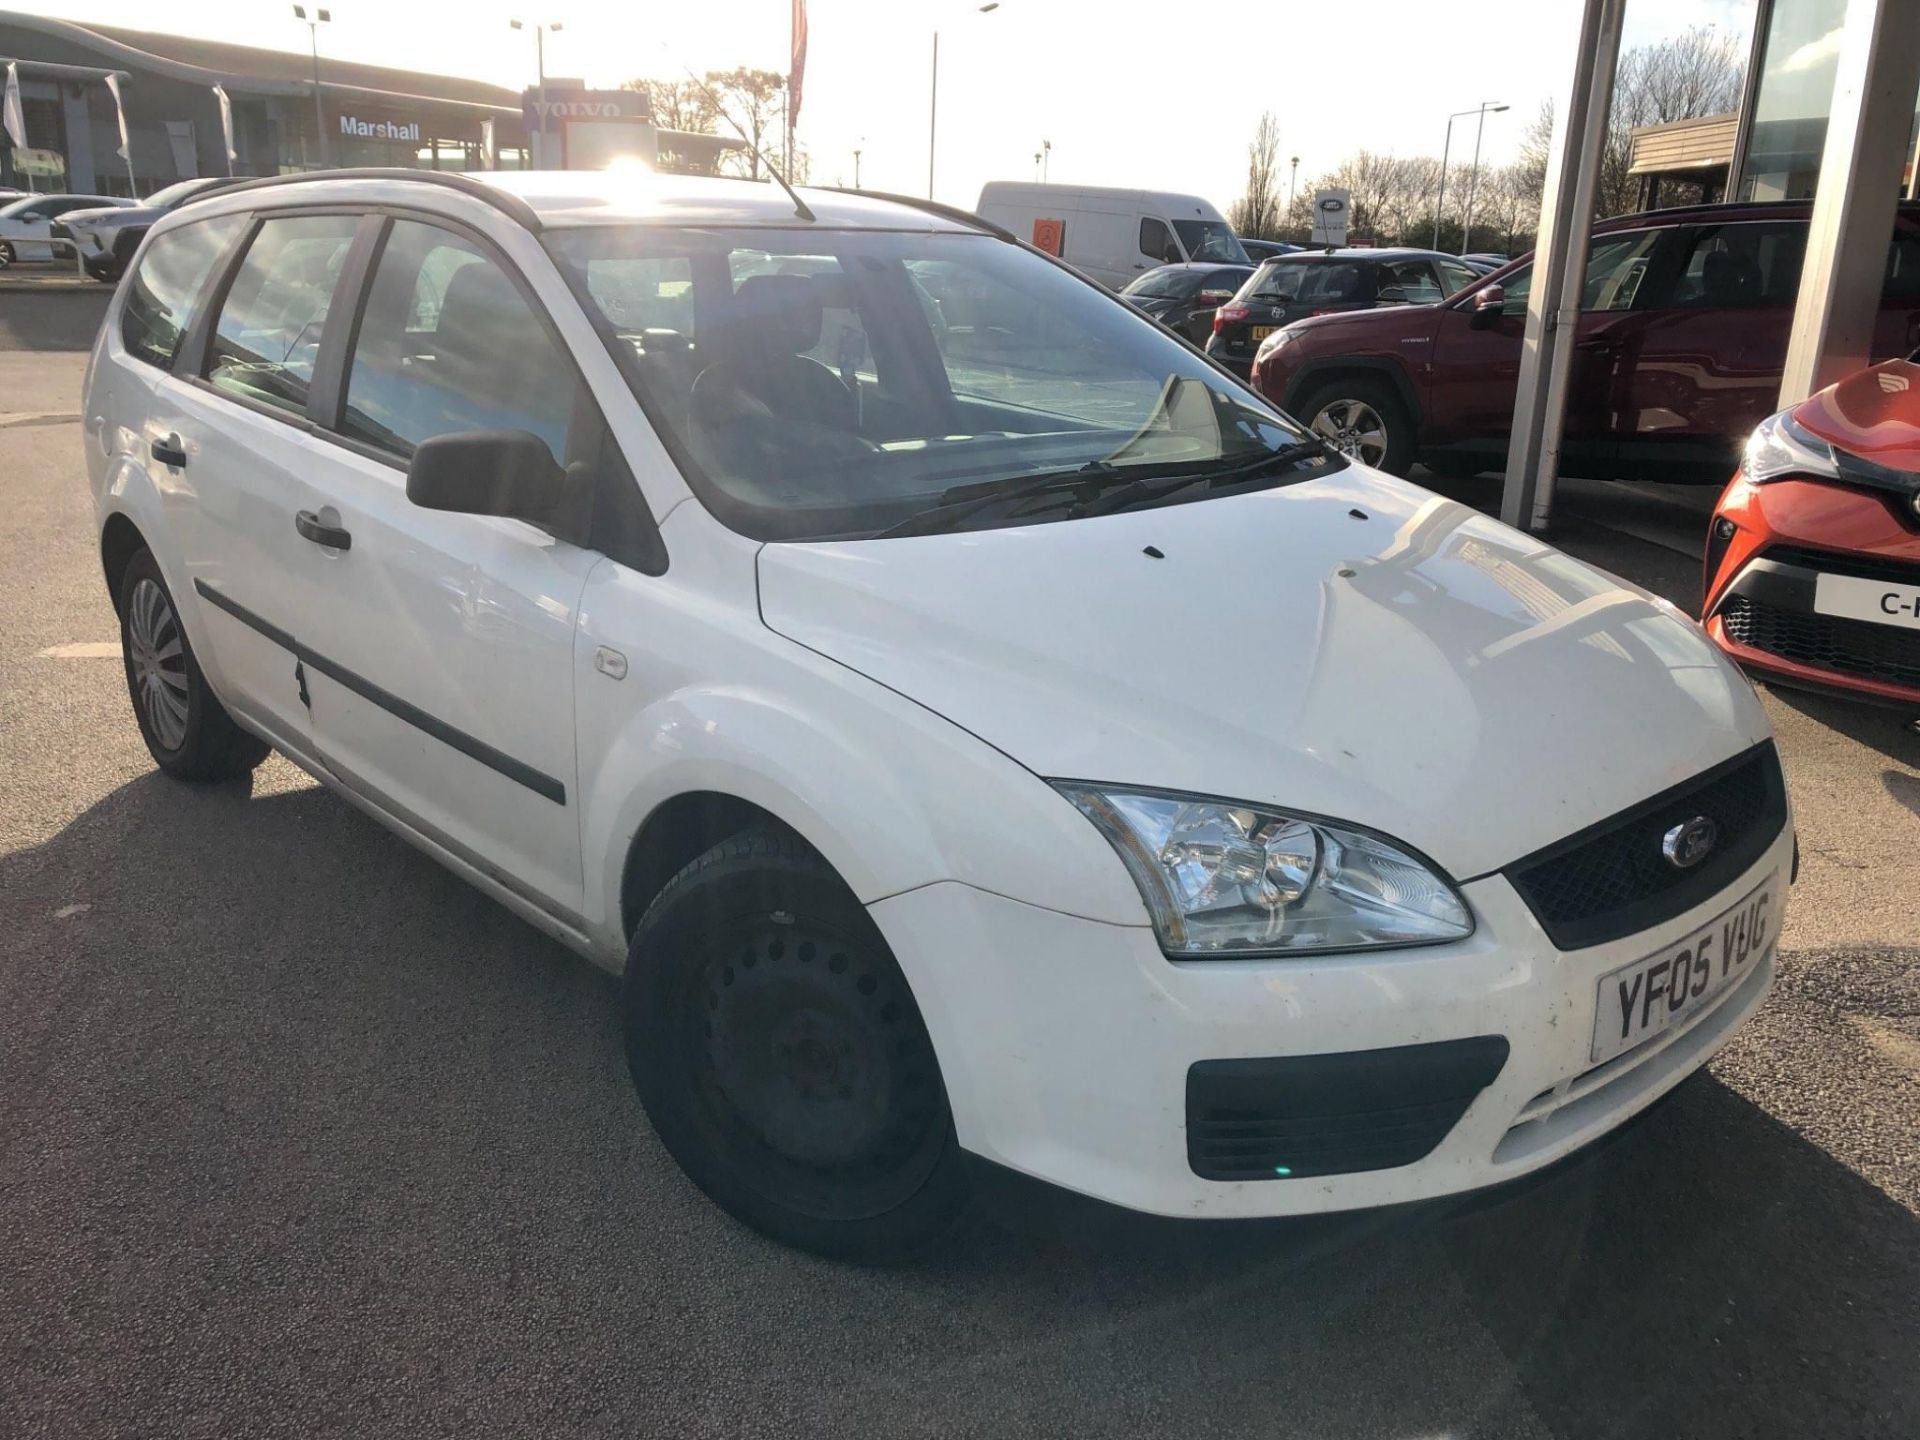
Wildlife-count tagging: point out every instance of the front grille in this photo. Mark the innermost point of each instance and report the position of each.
(1296, 1116)
(1857, 648)
(1611, 879)
(1866, 567)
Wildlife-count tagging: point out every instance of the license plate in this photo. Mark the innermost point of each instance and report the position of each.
(1260, 332)
(1877, 600)
(1638, 1001)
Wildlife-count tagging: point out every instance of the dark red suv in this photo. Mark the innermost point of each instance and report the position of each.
(1683, 333)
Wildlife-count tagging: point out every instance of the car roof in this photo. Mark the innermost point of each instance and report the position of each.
(1362, 252)
(567, 198)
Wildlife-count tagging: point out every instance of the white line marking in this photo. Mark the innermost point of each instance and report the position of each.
(83, 650)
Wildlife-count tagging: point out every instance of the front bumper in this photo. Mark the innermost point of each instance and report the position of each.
(1067, 1044)
(1763, 576)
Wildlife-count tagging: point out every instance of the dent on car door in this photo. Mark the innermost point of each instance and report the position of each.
(443, 650)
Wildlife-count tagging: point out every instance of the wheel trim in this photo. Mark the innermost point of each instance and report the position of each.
(157, 662)
(1354, 428)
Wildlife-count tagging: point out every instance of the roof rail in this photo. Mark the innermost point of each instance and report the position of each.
(932, 207)
(508, 204)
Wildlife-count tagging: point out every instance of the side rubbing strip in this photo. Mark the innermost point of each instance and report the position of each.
(244, 616)
(521, 774)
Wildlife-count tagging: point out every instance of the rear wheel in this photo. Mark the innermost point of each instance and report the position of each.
(188, 733)
(782, 1059)
(1363, 419)
(6, 254)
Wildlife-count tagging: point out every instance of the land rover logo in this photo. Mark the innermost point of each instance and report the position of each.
(1689, 842)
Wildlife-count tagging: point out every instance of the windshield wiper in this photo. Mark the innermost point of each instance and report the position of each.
(1136, 492)
(1111, 487)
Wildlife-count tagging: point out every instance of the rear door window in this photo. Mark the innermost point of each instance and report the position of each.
(165, 284)
(1288, 281)
(1750, 263)
(1157, 242)
(1414, 280)
(450, 344)
(267, 336)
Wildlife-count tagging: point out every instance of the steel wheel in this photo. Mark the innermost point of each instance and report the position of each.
(158, 662)
(1354, 428)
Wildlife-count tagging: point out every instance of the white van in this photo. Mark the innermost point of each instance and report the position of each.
(1112, 235)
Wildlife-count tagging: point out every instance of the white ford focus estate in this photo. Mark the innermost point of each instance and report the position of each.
(981, 732)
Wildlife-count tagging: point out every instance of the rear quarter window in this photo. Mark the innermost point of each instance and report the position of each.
(164, 287)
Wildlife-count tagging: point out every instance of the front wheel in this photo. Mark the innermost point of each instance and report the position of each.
(782, 1059)
(1363, 419)
(6, 254)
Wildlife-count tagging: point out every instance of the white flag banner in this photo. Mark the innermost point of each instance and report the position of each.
(16, 119)
(125, 152)
(226, 123)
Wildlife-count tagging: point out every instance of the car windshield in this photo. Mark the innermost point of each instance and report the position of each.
(20, 207)
(1170, 282)
(1289, 279)
(833, 383)
(1211, 240)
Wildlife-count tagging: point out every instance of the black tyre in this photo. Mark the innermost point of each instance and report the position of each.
(6, 254)
(1362, 418)
(190, 736)
(1459, 467)
(782, 1059)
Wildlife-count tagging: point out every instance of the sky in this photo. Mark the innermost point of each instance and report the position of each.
(1155, 95)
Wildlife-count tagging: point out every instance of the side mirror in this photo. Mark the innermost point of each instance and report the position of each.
(1488, 306)
(487, 472)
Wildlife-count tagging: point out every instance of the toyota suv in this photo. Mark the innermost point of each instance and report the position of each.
(977, 747)
(1682, 337)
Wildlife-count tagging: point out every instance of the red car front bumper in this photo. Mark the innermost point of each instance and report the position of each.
(1761, 577)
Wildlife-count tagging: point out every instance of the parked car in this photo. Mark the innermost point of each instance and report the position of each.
(1485, 261)
(1258, 250)
(1112, 235)
(1327, 282)
(1813, 556)
(25, 224)
(107, 237)
(1183, 297)
(1680, 344)
(995, 755)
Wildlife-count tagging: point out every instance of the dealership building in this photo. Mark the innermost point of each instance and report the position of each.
(366, 115)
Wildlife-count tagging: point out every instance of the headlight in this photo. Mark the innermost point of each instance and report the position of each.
(1221, 879)
(1779, 447)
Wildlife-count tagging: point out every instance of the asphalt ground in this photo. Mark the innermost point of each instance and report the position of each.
(301, 1136)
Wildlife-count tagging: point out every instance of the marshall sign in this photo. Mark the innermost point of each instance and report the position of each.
(569, 103)
(379, 129)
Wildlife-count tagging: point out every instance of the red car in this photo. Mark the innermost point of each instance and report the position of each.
(1682, 336)
(1813, 556)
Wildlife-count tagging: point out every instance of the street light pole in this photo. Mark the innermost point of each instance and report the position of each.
(314, 22)
(933, 96)
(1446, 151)
(856, 169)
(540, 72)
(1293, 179)
(1473, 175)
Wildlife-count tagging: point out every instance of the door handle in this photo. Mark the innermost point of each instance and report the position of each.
(169, 451)
(331, 536)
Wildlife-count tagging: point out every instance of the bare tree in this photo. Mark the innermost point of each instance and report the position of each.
(755, 100)
(1257, 213)
(677, 104)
